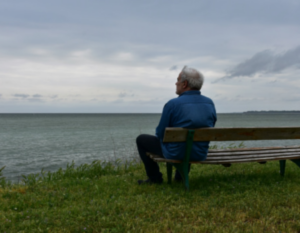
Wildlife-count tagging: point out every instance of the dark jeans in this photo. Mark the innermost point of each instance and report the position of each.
(148, 143)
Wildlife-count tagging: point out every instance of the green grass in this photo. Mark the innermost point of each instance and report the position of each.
(106, 198)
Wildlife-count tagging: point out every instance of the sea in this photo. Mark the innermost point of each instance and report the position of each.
(32, 142)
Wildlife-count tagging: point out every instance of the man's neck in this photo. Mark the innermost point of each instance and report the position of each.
(186, 91)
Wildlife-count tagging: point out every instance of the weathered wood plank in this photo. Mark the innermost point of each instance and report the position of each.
(167, 160)
(250, 160)
(263, 152)
(233, 134)
(239, 156)
(236, 157)
(253, 149)
(263, 159)
(281, 155)
(152, 156)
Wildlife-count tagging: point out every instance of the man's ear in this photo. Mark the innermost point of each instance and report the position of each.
(185, 84)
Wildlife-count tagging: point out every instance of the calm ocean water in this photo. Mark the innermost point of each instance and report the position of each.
(30, 142)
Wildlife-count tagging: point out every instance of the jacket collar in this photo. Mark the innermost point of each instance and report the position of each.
(191, 93)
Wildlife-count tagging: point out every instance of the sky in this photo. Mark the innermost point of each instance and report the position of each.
(124, 56)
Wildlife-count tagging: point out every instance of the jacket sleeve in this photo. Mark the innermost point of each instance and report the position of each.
(215, 115)
(165, 121)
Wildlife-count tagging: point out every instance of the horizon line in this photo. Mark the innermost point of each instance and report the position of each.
(249, 111)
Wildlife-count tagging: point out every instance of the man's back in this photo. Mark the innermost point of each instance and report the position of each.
(189, 110)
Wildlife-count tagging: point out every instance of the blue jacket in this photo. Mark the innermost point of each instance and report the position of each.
(190, 110)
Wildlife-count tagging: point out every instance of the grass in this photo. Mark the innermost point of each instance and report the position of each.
(102, 197)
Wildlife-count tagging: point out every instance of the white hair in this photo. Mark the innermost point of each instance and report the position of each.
(194, 78)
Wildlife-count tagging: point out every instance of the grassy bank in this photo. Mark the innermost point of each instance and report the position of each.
(105, 198)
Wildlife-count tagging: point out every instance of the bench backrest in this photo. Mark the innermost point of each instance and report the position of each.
(232, 134)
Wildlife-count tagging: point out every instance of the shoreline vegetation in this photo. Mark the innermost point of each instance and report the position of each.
(105, 197)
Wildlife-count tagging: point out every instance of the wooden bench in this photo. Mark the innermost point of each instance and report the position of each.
(226, 157)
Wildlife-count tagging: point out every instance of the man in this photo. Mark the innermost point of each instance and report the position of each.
(190, 110)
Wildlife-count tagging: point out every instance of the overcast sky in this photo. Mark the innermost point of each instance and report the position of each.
(125, 55)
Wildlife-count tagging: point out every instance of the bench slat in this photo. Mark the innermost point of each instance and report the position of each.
(282, 155)
(238, 156)
(233, 134)
(152, 156)
(246, 152)
(253, 149)
(263, 159)
(252, 159)
(265, 152)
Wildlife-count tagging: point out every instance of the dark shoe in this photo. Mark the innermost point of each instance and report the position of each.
(144, 181)
(148, 182)
(177, 180)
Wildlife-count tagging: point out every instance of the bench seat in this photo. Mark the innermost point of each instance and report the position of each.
(245, 155)
(226, 157)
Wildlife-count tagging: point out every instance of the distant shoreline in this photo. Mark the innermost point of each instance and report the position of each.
(153, 113)
(271, 112)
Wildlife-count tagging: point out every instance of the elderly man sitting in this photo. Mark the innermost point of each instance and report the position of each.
(189, 110)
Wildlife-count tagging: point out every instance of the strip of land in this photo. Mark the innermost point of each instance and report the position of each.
(272, 112)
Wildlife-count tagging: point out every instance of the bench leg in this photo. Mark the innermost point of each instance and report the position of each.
(183, 169)
(282, 167)
(186, 177)
(169, 172)
(296, 161)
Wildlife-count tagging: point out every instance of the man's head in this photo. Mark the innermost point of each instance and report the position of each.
(188, 79)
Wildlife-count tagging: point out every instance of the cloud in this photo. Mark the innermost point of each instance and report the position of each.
(24, 96)
(122, 94)
(265, 62)
(293, 99)
(173, 67)
(37, 96)
(35, 100)
(273, 81)
(125, 94)
(118, 101)
(61, 53)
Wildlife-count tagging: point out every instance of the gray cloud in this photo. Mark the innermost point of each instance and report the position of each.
(124, 94)
(118, 101)
(273, 82)
(24, 96)
(59, 38)
(48, 27)
(295, 98)
(35, 100)
(0, 95)
(265, 62)
(37, 96)
(173, 67)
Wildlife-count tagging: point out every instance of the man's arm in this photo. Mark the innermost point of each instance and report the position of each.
(165, 121)
(215, 115)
